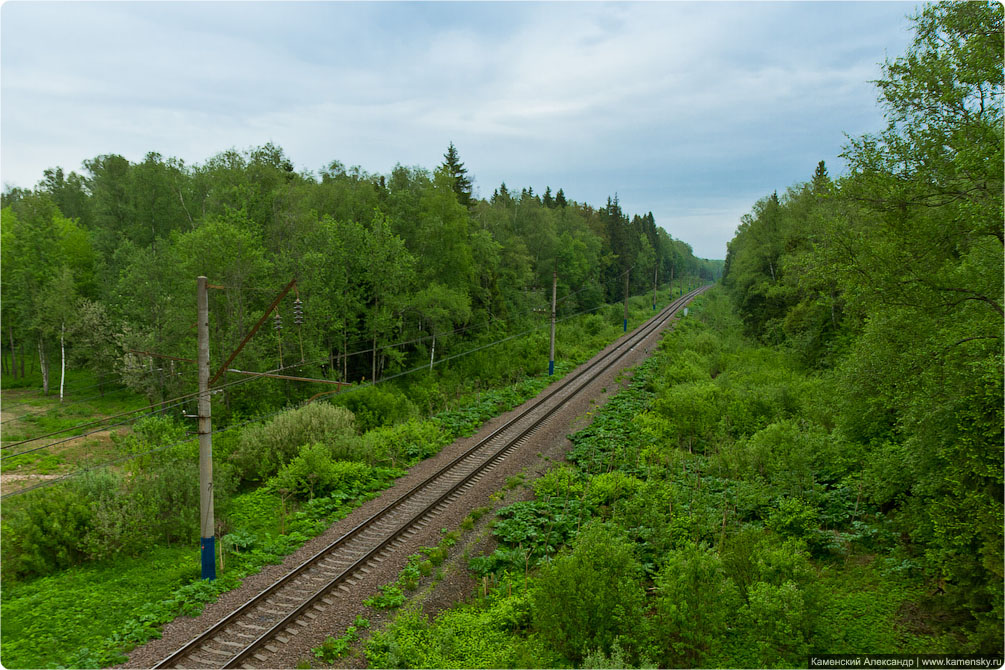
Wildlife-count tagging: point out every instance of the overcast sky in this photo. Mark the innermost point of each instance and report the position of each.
(691, 110)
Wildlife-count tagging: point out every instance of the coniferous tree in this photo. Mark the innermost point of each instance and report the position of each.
(820, 178)
(456, 169)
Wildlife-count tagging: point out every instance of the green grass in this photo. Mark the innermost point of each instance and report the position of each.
(49, 620)
(46, 415)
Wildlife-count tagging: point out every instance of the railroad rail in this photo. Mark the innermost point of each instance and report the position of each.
(295, 600)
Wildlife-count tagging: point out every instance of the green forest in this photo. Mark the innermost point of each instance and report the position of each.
(812, 462)
(388, 268)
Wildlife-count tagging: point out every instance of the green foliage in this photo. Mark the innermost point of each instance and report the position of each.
(753, 555)
(334, 648)
(587, 599)
(265, 448)
(376, 406)
(44, 535)
(891, 278)
(313, 473)
(695, 603)
(463, 637)
(390, 597)
(100, 515)
(151, 432)
(86, 616)
(530, 531)
(404, 444)
(465, 420)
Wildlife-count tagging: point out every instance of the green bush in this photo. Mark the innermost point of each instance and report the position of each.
(695, 603)
(793, 518)
(169, 491)
(42, 531)
(774, 627)
(313, 473)
(150, 432)
(688, 415)
(101, 515)
(609, 487)
(404, 444)
(376, 406)
(586, 600)
(264, 448)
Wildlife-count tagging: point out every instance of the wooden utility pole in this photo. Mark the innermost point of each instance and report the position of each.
(207, 529)
(627, 272)
(554, 304)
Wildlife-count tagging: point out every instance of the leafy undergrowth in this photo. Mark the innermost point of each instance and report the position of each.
(70, 615)
(334, 648)
(710, 517)
(87, 616)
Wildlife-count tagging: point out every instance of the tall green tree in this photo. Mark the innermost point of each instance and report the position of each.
(455, 168)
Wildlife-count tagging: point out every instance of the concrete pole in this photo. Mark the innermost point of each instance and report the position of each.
(554, 304)
(626, 298)
(206, 522)
(656, 274)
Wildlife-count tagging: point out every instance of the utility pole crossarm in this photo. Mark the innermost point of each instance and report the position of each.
(251, 333)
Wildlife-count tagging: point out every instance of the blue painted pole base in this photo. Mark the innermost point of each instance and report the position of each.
(626, 325)
(551, 367)
(208, 557)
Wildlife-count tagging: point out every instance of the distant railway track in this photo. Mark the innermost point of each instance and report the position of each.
(291, 604)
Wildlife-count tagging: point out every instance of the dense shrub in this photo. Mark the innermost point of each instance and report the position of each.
(586, 600)
(313, 473)
(375, 406)
(42, 532)
(405, 443)
(151, 432)
(264, 448)
(101, 515)
(695, 602)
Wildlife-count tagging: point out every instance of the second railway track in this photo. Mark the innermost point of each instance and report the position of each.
(291, 604)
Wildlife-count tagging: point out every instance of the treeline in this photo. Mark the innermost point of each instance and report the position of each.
(891, 277)
(100, 265)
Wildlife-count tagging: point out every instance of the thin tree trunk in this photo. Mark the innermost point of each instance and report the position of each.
(62, 359)
(331, 359)
(432, 352)
(22, 360)
(373, 362)
(43, 365)
(13, 360)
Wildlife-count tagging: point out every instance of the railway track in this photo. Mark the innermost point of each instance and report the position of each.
(244, 637)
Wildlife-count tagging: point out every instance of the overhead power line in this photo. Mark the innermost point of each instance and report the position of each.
(272, 414)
